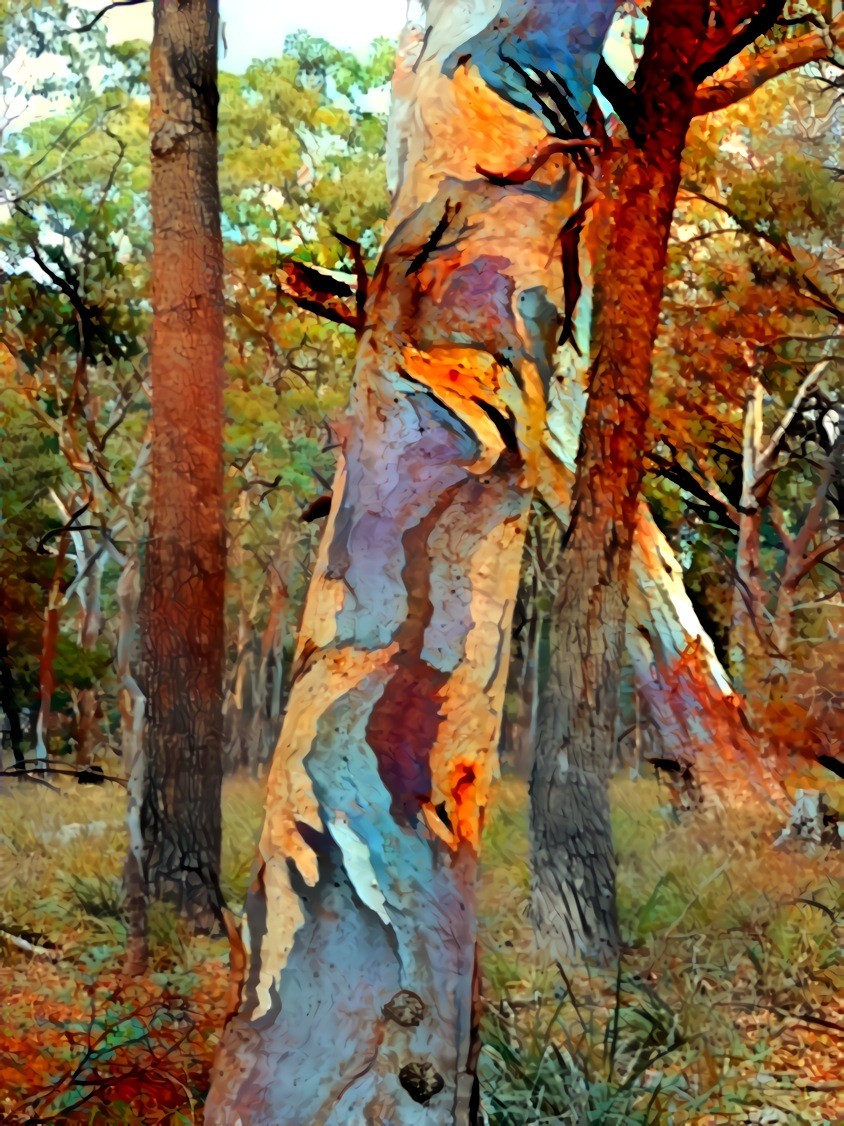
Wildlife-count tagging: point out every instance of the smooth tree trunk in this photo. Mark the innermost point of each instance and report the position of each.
(182, 601)
(749, 650)
(573, 898)
(358, 1002)
(89, 562)
(688, 693)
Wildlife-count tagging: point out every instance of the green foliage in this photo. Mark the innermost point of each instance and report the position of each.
(301, 157)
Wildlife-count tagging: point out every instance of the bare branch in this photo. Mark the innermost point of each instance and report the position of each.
(818, 554)
(696, 485)
(744, 79)
(739, 25)
(812, 292)
(104, 11)
(327, 293)
(767, 456)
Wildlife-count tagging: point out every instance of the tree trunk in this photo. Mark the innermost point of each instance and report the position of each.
(182, 603)
(9, 704)
(518, 731)
(358, 1005)
(47, 660)
(270, 688)
(688, 694)
(130, 700)
(89, 593)
(573, 899)
(748, 645)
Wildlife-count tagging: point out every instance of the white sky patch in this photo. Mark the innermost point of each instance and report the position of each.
(23, 74)
(256, 29)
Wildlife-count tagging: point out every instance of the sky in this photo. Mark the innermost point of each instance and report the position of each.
(257, 28)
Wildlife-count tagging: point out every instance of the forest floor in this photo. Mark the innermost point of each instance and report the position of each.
(727, 1007)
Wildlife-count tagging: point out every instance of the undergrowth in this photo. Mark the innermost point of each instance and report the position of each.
(726, 1007)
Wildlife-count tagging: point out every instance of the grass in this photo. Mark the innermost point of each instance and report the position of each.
(726, 1007)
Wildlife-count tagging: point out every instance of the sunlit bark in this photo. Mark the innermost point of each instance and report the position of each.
(358, 1005)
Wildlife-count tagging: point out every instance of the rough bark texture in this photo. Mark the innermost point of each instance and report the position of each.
(182, 604)
(518, 728)
(358, 1004)
(573, 862)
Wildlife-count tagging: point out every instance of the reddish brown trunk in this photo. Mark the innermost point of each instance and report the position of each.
(85, 728)
(182, 630)
(573, 860)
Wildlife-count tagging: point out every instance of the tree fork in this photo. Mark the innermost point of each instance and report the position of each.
(573, 899)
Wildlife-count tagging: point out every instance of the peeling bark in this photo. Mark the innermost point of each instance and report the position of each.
(365, 888)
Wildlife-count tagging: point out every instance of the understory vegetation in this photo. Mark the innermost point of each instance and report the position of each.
(726, 1005)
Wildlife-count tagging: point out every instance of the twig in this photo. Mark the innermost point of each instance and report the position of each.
(27, 947)
(104, 11)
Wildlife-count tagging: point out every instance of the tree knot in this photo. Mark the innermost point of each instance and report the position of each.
(421, 1080)
(406, 1008)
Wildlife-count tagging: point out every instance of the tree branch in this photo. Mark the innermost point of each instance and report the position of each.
(742, 27)
(104, 11)
(767, 456)
(695, 485)
(818, 554)
(326, 293)
(742, 81)
(624, 101)
(812, 292)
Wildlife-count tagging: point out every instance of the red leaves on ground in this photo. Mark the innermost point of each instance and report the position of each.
(137, 1052)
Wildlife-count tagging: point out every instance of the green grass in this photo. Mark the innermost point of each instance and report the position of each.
(719, 1013)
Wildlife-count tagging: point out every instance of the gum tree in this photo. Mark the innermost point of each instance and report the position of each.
(357, 1000)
